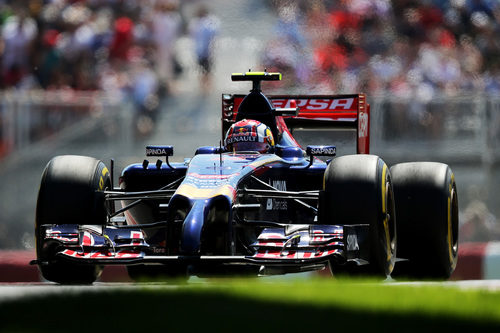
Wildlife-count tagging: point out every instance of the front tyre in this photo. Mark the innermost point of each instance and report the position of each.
(71, 192)
(358, 190)
(427, 209)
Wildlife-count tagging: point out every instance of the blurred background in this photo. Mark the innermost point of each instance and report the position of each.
(104, 78)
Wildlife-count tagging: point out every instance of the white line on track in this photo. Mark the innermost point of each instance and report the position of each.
(490, 285)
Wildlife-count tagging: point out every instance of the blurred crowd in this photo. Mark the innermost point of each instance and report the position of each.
(93, 44)
(401, 47)
(404, 48)
(127, 48)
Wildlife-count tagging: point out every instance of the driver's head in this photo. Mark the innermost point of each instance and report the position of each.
(249, 135)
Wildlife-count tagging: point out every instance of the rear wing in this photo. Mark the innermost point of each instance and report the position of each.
(315, 111)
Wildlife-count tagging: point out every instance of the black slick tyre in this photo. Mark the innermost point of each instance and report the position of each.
(427, 209)
(358, 190)
(71, 192)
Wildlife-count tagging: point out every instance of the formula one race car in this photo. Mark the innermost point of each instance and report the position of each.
(258, 205)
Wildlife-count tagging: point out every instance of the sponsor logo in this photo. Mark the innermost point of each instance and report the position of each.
(324, 151)
(277, 204)
(245, 137)
(342, 104)
(156, 152)
(101, 179)
(159, 250)
(159, 151)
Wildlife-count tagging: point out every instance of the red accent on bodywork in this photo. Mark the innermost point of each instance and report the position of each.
(87, 239)
(282, 128)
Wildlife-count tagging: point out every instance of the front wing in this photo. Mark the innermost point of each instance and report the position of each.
(283, 248)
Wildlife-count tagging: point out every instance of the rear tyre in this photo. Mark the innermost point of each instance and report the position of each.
(358, 190)
(427, 209)
(71, 192)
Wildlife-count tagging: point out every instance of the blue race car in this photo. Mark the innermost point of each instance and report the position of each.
(260, 204)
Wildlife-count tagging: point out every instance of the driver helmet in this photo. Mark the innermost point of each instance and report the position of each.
(249, 135)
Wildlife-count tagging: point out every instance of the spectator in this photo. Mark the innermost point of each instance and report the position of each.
(204, 28)
(18, 34)
(144, 87)
(122, 39)
(289, 51)
(166, 25)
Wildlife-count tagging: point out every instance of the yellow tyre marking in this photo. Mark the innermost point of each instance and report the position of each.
(104, 171)
(384, 211)
(384, 171)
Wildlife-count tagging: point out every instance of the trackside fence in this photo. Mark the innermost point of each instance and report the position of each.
(450, 129)
(28, 117)
(453, 130)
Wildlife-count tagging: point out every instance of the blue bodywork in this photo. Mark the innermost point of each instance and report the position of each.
(213, 178)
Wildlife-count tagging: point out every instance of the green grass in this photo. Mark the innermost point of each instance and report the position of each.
(254, 305)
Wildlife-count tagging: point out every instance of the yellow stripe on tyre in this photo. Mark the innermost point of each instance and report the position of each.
(384, 211)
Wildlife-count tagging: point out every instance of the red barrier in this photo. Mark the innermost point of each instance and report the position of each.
(470, 261)
(15, 267)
